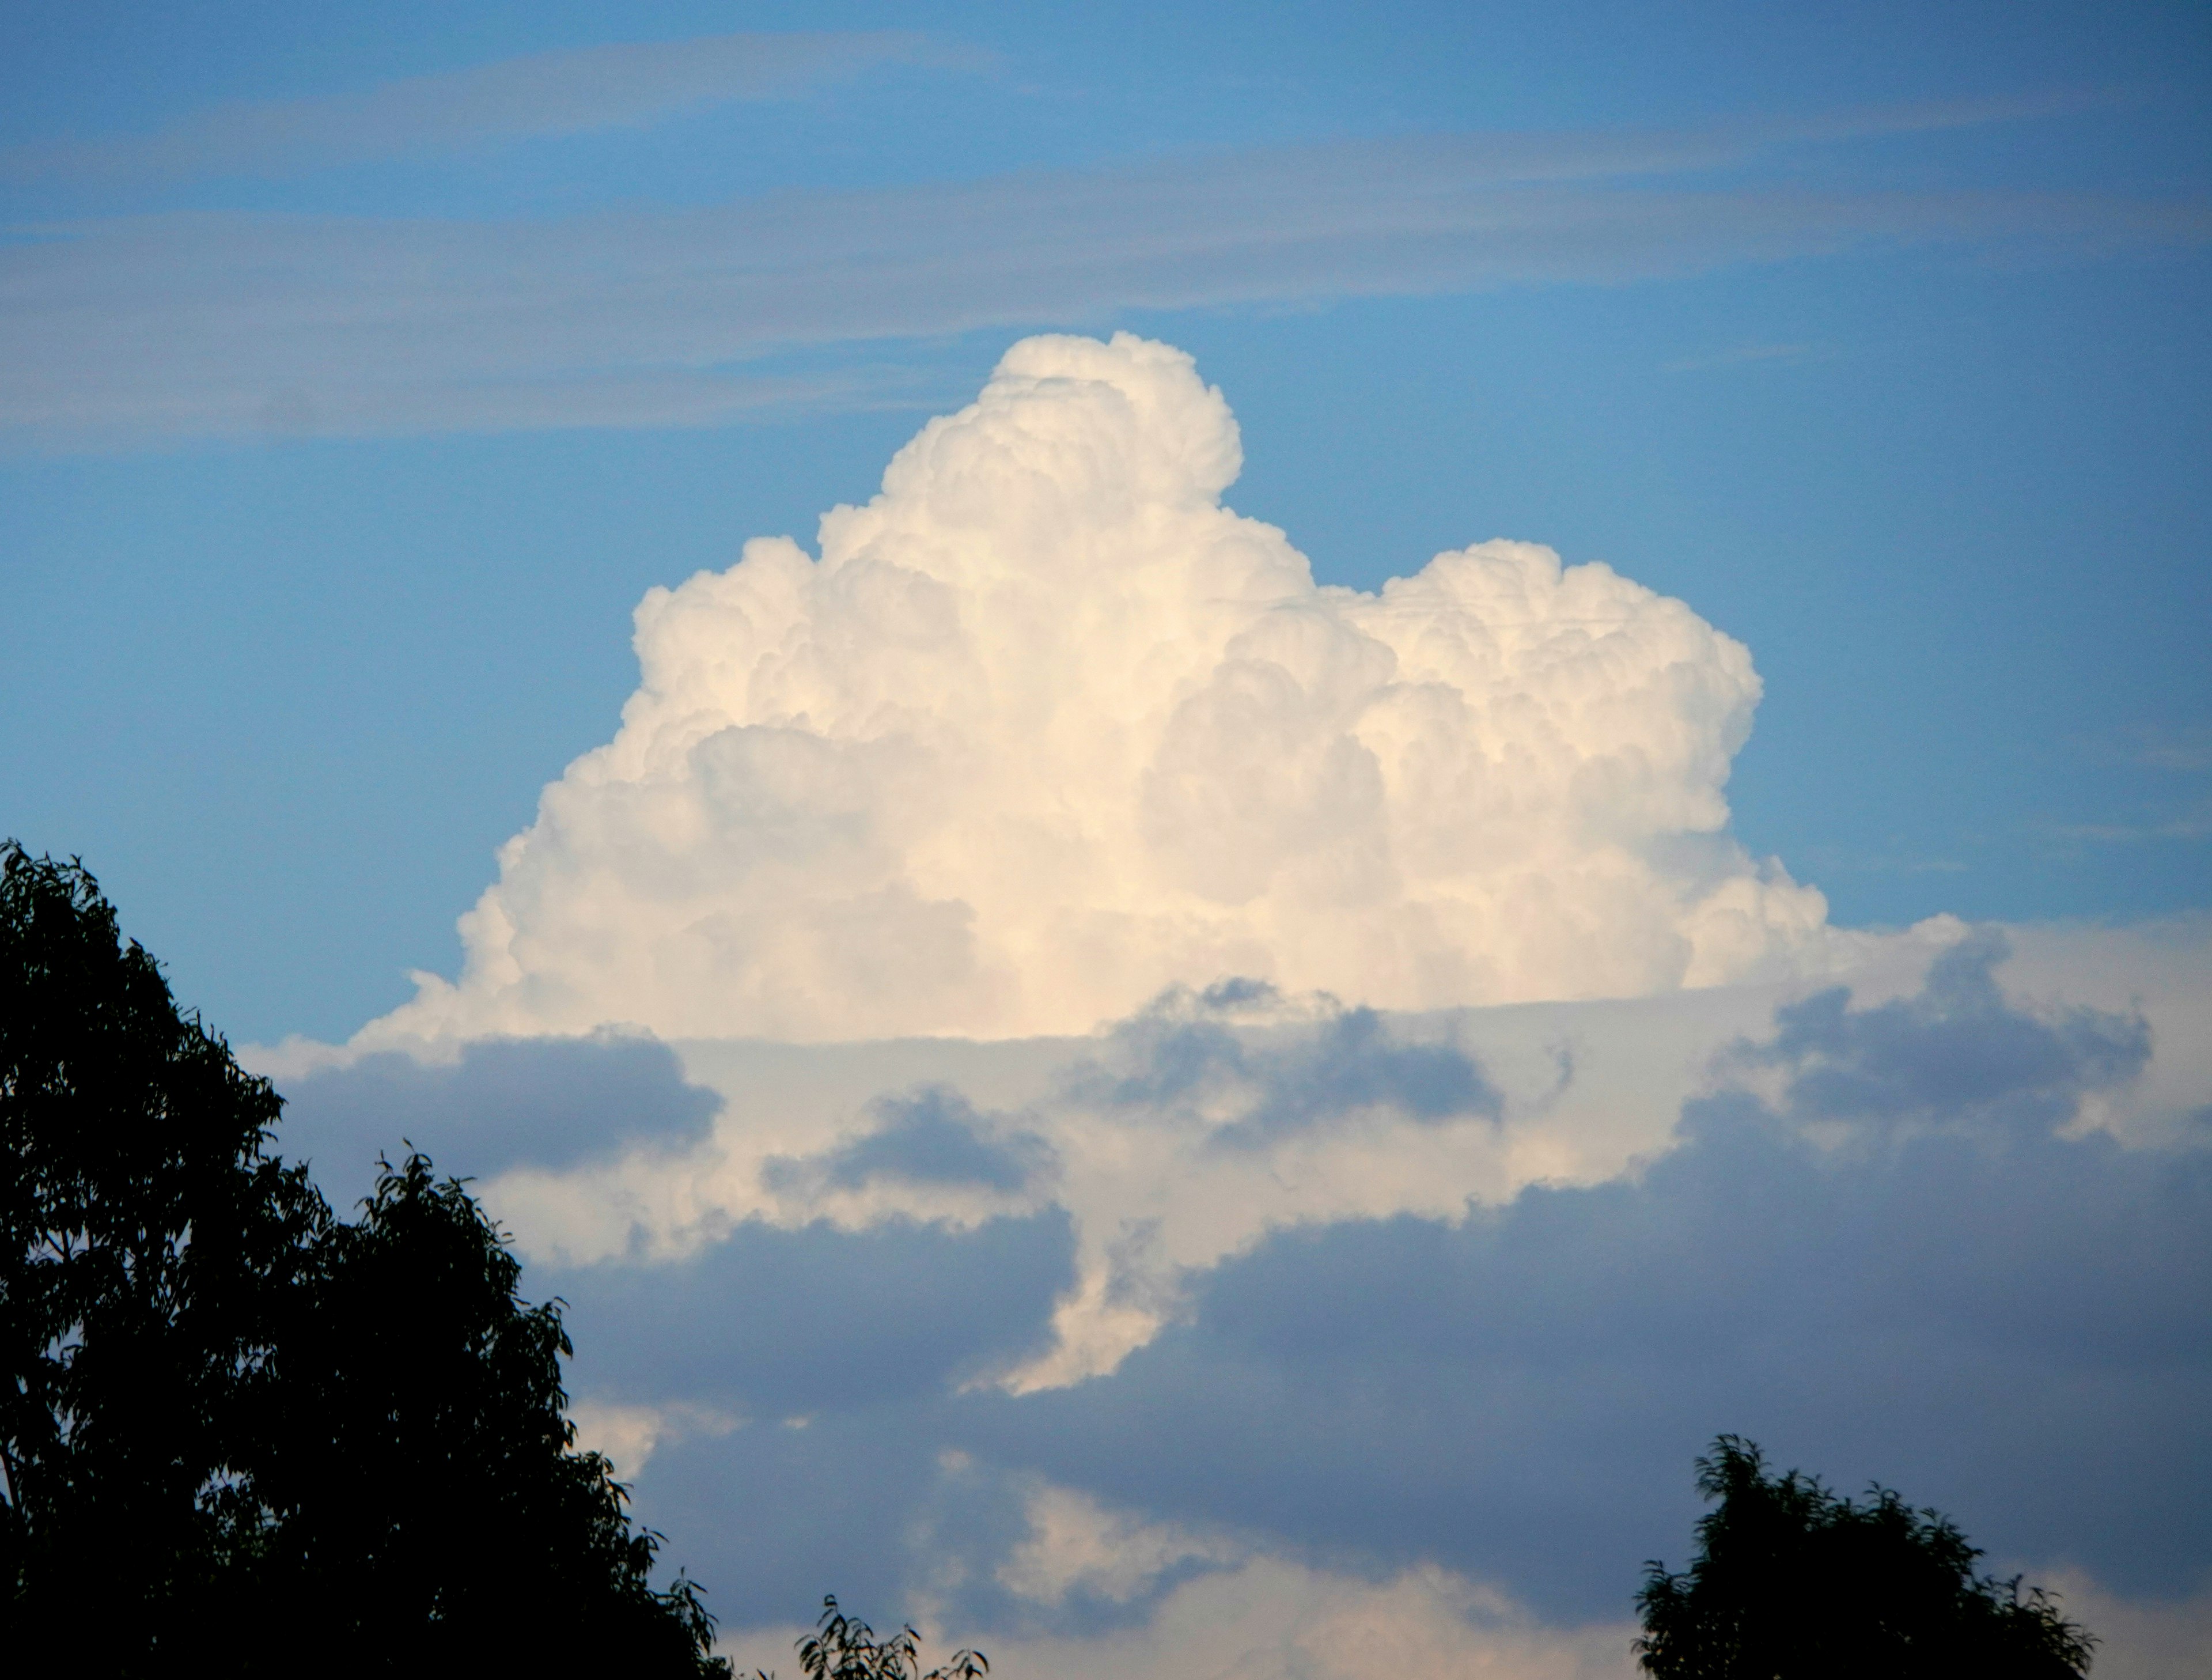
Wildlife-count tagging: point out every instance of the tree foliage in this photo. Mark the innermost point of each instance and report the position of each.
(415, 1471)
(232, 1423)
(842, 1647)
(1790, 1582)
(145, 1240)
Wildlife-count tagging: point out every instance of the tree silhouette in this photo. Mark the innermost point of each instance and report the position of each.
(144, 1239)
(1790, 1582)
(412, 1459)
(233, 1427)
(842, 1647)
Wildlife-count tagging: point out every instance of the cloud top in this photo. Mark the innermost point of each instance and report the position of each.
(1047, 730)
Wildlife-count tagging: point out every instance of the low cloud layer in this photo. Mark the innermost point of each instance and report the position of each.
(1890, 1238)
(1515, 1392)
(1406, 1325)
(1047, 729)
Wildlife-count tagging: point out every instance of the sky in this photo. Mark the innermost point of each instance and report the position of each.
(1206, 811)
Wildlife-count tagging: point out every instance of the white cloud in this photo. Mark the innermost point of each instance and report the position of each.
(627, 1435)
(1076, 1545)
(1047, 730)
(2138, 1639)
(614, 85)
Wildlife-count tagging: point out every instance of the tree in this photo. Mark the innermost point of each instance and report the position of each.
(232, 1425)
(424, 1503)
(844, 1648)
(1790, 1582)
(145, 1238)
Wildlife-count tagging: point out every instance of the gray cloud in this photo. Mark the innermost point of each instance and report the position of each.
(842, 1350)
(1183, 1055)
(2019, 1340)
(2012, 1324)
(202, 325)
(1955, 1053)
(547, 1102)
(932, 1136)
(772, 1323)
(617, 85)
(1897, 1267)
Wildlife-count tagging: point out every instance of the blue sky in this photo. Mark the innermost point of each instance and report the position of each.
(362, 369)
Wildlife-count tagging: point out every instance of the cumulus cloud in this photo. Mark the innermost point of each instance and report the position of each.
(1406, 1271)
(1047, 728)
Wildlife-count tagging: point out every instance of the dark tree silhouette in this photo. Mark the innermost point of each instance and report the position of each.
(842, 1647)
(422, 1499)
(1790, 1582)
(145, 1238)
(233, 1427)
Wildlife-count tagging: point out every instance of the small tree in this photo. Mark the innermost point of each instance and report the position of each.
(1791, 1583)
(844, 1648)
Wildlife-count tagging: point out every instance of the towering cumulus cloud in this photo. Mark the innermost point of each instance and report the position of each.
(1047, 728)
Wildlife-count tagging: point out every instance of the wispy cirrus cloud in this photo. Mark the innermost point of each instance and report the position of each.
(534, 96)
(204, 324)
(2195, 823)
(1746, 356)
(2164, 745)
